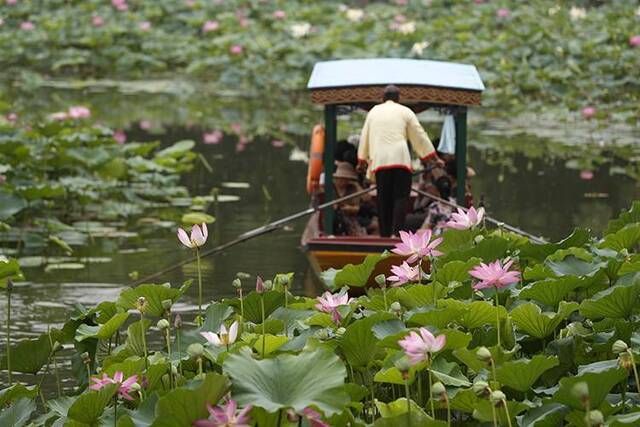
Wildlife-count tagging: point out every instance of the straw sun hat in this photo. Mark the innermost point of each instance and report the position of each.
(345, 171)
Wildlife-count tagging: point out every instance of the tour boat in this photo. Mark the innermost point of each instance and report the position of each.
(343, 86)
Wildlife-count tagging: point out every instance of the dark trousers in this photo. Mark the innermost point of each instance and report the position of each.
(394, 186)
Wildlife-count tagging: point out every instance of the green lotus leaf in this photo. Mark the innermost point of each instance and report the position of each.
(522, 374)
(89, 406)
(197, 218)
(632, 216)
(252, 305)
(9, 270)
(214, 316)
(547, 415)
(396, 413)
(18, 414)
(455, 339)
(145, 414)
(177, 150)
(539, 252)
(477, 314)
(271, 343)
(30, 355)
(600, 377)
(454, 271)
(414, 296)
(574, 266)
(437, 317)
(184, 405)
(550, 291)
(154, 295)
(617, 302)
(10, 205)
(456, 240)
(104, 331)
(390, 375)
(448, 372)
(632, 419)
(17, 391)
(529, 318)
(353, 275)
(625, 238)
(311, 378)
(135, 336)
(132, 366)
(358, 343)
(488, 250)
(483, 411)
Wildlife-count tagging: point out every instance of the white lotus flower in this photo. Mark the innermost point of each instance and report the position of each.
(407, 28)
(225, 337)
(419, 47)
(300, 30)
(554, 10)
(577, 13)
(355, 15)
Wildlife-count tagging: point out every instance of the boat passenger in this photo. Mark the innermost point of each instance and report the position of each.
(383, 147)
(354, 217)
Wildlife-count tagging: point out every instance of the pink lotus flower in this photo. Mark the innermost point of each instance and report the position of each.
(240, 147)
(226, 337)
(3, 179)
(145, 26)
(401, 2)
(1, 21)
(210, 26)
(586, 175)
(79, 112)
(403, 273)
(328, 302)
(634, 41)
(199, 234)
(124, 387)
(466, 220)
(314, 418)
(502, 13)
(120, 136)
(60, 115)
(236, 128)
(190, 3)
(244, 22)
(11, 2)
(97, 21)
(279, 14)
(494, 275)
(236, 49)
(588, 112)
(12, 117)
(120, 5)
(213, 137)
(417, 246)
(260, 285)
(277, 143)
(420, 347)
(225, 415)
(27, 26)
(145, 124)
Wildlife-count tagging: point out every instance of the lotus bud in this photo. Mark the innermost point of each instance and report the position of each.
(403, 365)
(174, 369)
(56, 347)
(260, 285)
(322, 334)
(177, 322)
(166, 304)
(268, 285)
(166, 285)
(292, 417)
(480, 388)
(483, 354)
(580, 391)
(619, 347)
(9, 285)
(381, 280)
(479, 238)
(595, 418)
(438, 389)
(396, 307)
(85, 358)
(340, 331)
(136, 387)
(163, 324)
(497, 397)
(195, 350)
(141, 304)
(625, 360)
(240, 275)
(237, 283)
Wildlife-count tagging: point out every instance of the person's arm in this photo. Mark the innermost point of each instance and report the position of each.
(363, 147)
(419, 139)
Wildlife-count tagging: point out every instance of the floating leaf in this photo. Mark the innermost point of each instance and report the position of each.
(18, 414)
(616, 302)
(197, 218)
(89, 406)
(600, 378)
(522, 374)
(550, 291)
(154, 295)
(448, 372)
(529, 318)
(104, 331)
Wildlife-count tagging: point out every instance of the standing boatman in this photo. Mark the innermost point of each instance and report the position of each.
(383, 147)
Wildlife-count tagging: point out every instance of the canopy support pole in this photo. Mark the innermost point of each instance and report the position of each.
(461, 154)
(331, 135)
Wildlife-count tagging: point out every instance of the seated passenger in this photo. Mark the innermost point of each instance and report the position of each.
(356, 216)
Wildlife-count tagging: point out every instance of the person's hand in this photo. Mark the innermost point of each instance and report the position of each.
(439, 162)
(362, 167)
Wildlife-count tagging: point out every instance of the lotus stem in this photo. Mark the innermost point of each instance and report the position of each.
(241, 304)
(384, 296)
(433, 409)
(420, 396)
(493, 369)
(406, 390)
(506, 411)
(200, 365)
(446, 402)
(635, 370)
(9, 285)
(115, 410)
(497, 315)
(199, 318)
(420, 272)
(144, 340)
(167, 336)
(263, 326)
(494, 415)
(55, 364)
(179, 351)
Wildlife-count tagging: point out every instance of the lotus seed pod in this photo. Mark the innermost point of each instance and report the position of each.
(381, 280)
(580, 391)
(595, 418)
(163, 324)
(480, 388)
(395, 307)
(135, 387)
(85, 358)
(619, 346)
(236, 283)
(141, 304)
(166, 285)
(174, 369)
(403, 364)
(166, 304)
(268, 285)
(483, 354)
(195, 350)
(240, 275)
(9, 285)
(177, 322)
(322, 334)
(479, 238)
(438, 389)
(625, 360)
(497, 397)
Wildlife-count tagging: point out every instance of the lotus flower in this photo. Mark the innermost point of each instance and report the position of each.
(199, 234)
(419, 47)
(329, 302)
(260, 285)
(420, 347)
(120, 136)
(120, 5)
(465, 220)
(588, 112)
(502, 13)
(60, 115)
(403, 273)
(494, 275)
(277, 143)
(577, 13)
(300, 30)
(12, 117)
(1, 21)
(226, 337)
(226, 416)
(634, 41)
(124, 387)
(97, 21)
(27, 26)
(355, 15)
(279, 14)
(145, 26)
(213, 137)
(586, 175)
(145, 124)
(236, 49)
(417, 246)
(210, 26)
(79, 112)
(314, 417)
(11, 2)
(3, 179)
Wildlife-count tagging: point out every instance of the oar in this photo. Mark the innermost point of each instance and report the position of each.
(257, 232)
(487, 218)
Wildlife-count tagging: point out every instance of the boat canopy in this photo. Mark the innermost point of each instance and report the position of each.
(362, 81)
(423, 84)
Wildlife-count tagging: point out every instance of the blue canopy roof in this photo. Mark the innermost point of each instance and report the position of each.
(383, 71)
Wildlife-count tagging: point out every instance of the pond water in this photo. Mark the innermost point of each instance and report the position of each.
(538, 190)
